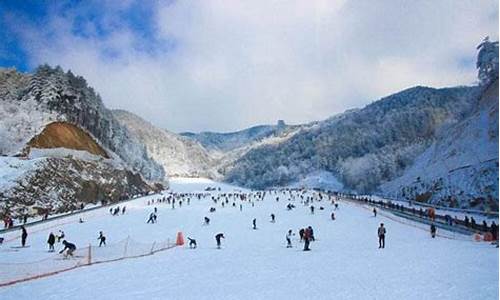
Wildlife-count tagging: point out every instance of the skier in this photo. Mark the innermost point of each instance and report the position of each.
(312, 209)
(433, 230)
(273, 218)
(207, 221)
(306, 239)
(333, 216)
(217, 238)
(241, 207)
(151, 218)
(289, 239)
(102, 239)
(124, 209)
(192, 243)
(60, 236)
(24, 235)
(301, 234)
(381, 236)
(374, 212)
(51, 241)
(254, 222)
(70, 247)
(311, 234)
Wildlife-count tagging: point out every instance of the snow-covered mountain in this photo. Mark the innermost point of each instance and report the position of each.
(460, 168)
(29, 102)
(225, 142)
(424, 144)
(180, 156)
(362, 148)
(61, 147)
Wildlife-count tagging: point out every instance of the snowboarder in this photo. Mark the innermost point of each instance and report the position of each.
(289, 239)
(433, 230)
(24, 235)
(51, 241)
(381, 236)
(374, 212)
(217, 239)
(192, 243)
(70, 247)
(273, 218)
(254, 222)
(102, 239)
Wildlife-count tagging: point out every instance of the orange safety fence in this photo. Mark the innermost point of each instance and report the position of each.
(12, 273)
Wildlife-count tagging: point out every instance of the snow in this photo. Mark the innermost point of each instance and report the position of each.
(345, 262)
(13, 169)
(320, 179)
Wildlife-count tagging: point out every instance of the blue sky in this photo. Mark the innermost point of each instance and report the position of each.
(224, 65)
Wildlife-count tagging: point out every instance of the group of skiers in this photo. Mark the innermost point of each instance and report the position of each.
(52, 239)
(306, 234)
(116, 211)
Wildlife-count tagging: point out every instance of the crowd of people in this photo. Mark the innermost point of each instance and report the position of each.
(313, 200)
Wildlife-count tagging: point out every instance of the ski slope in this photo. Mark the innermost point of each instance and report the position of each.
(345, 262)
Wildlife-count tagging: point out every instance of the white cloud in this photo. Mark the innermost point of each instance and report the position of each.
(236, 64)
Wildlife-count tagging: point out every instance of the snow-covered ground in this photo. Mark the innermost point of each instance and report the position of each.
(345, 262)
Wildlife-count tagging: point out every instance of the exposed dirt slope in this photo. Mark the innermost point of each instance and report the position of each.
(67, 135)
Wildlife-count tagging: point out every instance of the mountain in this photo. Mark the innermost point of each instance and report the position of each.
(225, 142)
(61, 147)
(460, 168)
(361, 148)
(179, 156)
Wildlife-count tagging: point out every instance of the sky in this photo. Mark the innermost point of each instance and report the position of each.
(216, 65)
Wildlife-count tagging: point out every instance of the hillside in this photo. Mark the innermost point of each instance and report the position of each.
(361, 148)
(459, 169)
(61, 147)
(31, 101)
(225, 142)
(66, 135)
(178, 155)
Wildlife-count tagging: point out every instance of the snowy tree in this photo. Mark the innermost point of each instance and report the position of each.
(487, 61)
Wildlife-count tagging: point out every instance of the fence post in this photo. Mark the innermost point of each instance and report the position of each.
(126, 245)
(89, 262)
(153, 246)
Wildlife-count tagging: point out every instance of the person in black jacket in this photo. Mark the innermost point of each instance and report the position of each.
(51, 241)
(433, 230)
(102, 239)
(24, 235)
(217, 239)
(70, 247)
